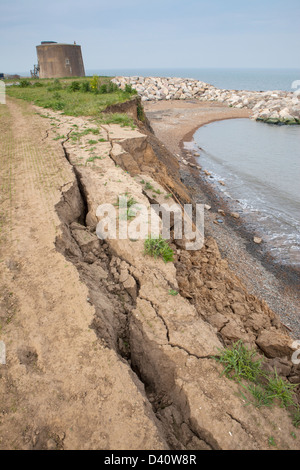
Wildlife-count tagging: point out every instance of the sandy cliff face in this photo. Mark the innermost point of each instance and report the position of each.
(107, 357)
(170, 340)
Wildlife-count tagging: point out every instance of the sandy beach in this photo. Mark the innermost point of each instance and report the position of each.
(174, 123)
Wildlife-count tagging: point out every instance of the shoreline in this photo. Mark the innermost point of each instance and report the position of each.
(274, 283)
(276, 107)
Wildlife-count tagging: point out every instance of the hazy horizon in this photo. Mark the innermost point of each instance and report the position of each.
(89, 72)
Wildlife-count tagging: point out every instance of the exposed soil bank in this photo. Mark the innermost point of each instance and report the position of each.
(175, 123)
(101, 353)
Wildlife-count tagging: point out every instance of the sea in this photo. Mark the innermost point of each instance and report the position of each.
(230, 79)
(260, 166)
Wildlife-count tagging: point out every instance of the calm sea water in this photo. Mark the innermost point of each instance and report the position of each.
(260, 165)
(231, 79)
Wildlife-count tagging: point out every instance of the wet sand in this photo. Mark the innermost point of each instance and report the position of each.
(175, 122)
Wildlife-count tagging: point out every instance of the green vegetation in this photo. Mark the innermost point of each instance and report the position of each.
(266, 388)
(296, 417)
(239, 363)
(148, 186)
(129, 89)
(93, 158)
(59, 137)
(173, 292)
(140, 112)
(158, 248)
(126, 201)
(116, 118)
(271, 441)
(75, 97)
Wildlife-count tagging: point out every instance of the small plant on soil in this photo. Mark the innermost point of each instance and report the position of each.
(271, 441)
(173, 292)
(59, 137)
(239, 363)
(92, 159)
(266, 388)
(158, 248)
(116, 118)
(127, 201)
(296, 418)
(148, 186)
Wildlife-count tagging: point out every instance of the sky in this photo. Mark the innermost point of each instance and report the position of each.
(116, 34)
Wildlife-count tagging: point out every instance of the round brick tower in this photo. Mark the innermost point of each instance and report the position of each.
(57, 60)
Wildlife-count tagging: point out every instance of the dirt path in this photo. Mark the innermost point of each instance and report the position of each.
(60, 388)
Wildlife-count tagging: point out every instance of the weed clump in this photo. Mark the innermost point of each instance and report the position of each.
(266, 388)
(126, 202)
(24, 83)
(158, 248)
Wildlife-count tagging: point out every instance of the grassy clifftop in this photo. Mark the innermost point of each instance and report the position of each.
(74, 97)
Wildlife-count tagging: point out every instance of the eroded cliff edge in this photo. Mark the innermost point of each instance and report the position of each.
(168, 341)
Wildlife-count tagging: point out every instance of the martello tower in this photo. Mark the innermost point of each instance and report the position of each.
(57, 60)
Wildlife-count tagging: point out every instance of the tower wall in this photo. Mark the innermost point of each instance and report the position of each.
(60, 60)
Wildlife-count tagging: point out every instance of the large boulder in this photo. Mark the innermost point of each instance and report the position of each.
(274, 343)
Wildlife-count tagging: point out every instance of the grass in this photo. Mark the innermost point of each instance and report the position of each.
(173, 292)
(239, 363)
(158, 248)
(126, 201)
(116, 118)
(92, 159)
(271, 441)
(70, 96)
(59, 137)
(148, 186)
(266, 388)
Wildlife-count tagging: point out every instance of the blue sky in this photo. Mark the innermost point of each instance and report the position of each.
(154, 33)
